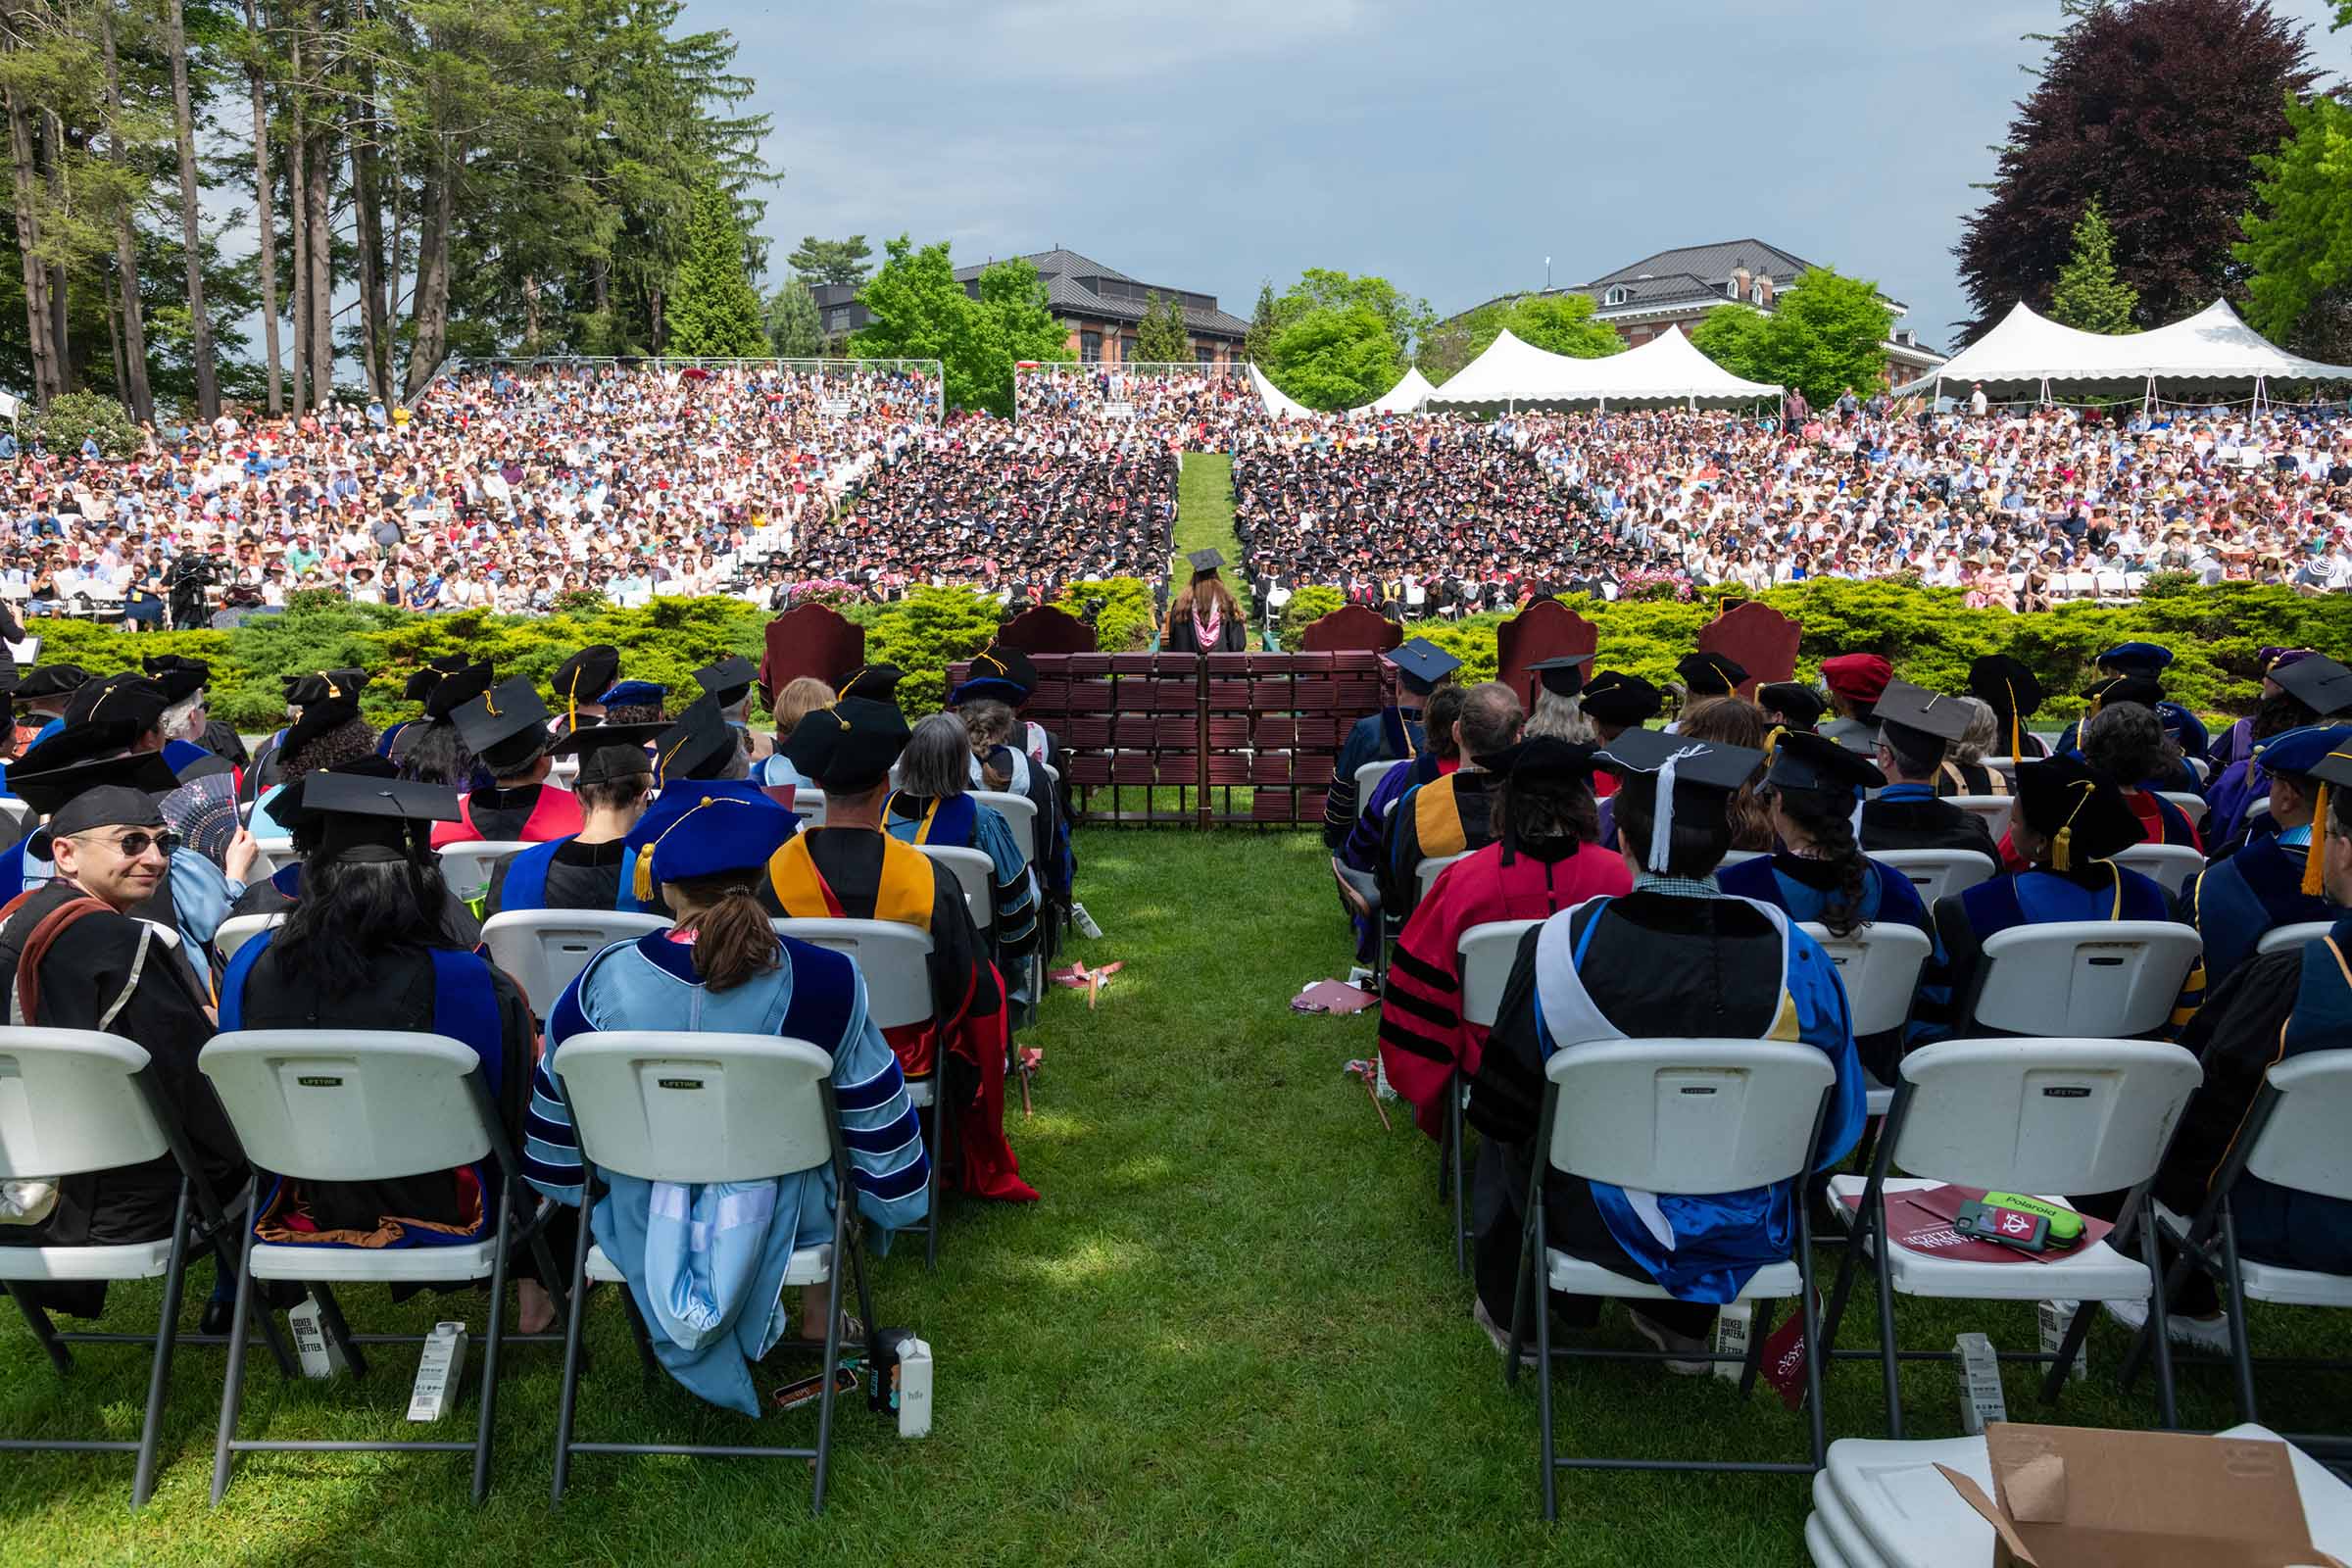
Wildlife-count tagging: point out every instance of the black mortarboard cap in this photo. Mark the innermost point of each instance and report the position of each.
(729, 680)
(1208, 560)
(506, 726)
(81, 778)
(2006, 686)
(579, 678)
(1563, 676)
(2078, 808)
(1613, 697)
(1698, 764)
(328, 686)
(458, 688)
(127, 698)
(1930, 715)
(1421, 664)
(1800, 705)
(51, 680)
(2319, 683)
(180, 678)
(1806, 762)
(2140, 689)
(1709, 674)
(421, 683)
(1542, 757)
(699, 745)
(608, 751)
(873, 682)
(355, 816)
(847, 747)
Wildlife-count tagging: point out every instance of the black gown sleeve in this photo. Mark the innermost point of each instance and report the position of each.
(2237, 1037)
(1506, 1099)
(961, 976)
(1963, 957)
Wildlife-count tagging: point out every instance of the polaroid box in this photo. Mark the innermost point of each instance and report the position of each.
(2083, 1497)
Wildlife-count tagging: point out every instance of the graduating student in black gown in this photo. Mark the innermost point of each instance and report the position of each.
(583, 871)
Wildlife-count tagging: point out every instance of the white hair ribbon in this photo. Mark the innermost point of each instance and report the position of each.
(1661, 828)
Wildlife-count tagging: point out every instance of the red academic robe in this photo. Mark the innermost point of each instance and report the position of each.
(556, 815)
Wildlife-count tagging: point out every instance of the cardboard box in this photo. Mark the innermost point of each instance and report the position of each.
(2081, 1497)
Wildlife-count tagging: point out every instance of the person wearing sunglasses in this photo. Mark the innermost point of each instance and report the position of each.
(96, 964)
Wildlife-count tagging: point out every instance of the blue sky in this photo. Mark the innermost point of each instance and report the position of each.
(1449, 148)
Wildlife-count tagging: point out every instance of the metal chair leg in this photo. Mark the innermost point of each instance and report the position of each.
(2241, 1351)
(233, 1389)
(486, 1433)
(1542, 1310)
(1817, 1352)
(1760, 1328)
(575, 1319)
(2077, 1329)
(824, 1397)
(59, 1355)
(166, 1335)
(1890, 1361)
(2160, 1326)
(1456, 1158)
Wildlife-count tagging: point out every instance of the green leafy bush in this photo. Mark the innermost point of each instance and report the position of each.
(72, 415)
(1926, 632)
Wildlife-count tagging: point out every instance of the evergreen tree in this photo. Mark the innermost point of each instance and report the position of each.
(712, 309)
(1161, 339)
(1258, 343)
(794, 328)
(2089, 296)
(832, 260)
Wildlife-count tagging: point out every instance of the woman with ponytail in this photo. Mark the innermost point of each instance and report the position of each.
(1814, 788)
(723, 968)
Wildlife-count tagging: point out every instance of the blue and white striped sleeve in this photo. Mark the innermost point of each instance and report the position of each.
(551, 1149)
(1015, 889)
(887, 1162)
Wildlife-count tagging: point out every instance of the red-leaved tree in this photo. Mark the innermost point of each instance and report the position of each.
(2157, 108)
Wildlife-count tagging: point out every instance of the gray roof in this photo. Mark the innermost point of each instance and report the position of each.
(1714, 264)
(1066, 296)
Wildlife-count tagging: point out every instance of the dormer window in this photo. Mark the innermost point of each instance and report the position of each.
(1755, 295)
(1617, 294)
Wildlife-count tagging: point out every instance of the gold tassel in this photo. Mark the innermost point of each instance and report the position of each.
(2061, 850)
(2017, 741)
(1772, 743)
(2315, 861)
(644, 878)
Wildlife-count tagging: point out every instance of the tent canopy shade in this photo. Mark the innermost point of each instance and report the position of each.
(1667, 369)
(1279, 405)
(1405, 396)
(2214, 350)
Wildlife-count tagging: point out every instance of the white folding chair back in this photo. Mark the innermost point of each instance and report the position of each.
(1019, 812)
(467, 867)
(543, 950)
(69, 1104)
(1936, 873)
(975, 874)
(2191, 806)
(272, 855)
(1433, 866)
(1739, 858)
(1687, 1116)
(2304, 1147)
(348, 1106)
(1992, 809)
(697, 1108)
(1487, 953)
(18, 814)
(562, 771)
(894, 959)
(2085, 979)
(809, 803)
(2046, 1115)
(1367, 778)
(2259, 806)
(239, 929)
(2171, 864)
(2290, 938)
(2202, 768)
(1879, 966)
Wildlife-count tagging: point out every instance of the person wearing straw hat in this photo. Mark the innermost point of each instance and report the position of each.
(2070, 823)
(1676, 956)
(706, 1278)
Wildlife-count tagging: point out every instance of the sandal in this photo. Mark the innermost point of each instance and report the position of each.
(852, 1335)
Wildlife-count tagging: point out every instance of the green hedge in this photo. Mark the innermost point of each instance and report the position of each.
(1926, 632)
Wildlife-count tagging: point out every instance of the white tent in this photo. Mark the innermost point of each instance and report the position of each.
(1277, 404)
(9, 408)
(2027, 354)
(1667, 369)
(1402, 398)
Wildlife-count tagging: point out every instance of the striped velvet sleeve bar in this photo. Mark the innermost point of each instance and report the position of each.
(887, 1162)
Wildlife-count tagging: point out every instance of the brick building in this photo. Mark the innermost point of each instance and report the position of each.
(1102, 307)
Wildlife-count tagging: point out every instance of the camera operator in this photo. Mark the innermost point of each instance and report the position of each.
(191, 575)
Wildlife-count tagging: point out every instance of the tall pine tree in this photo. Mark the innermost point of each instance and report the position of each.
(714, 312)
(2089, 296)
(1161, 339)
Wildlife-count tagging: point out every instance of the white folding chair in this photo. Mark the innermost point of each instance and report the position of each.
(1019, 812)
(2258, 806)
(896, 964)
(976, 875)
(1991, 810)
(543, 950)
(2045, 1116)
(350, 1105)
(2082, 979)
(467, 867)
(2171, 864)
(2191, 806)
(239, 929)
(75, 1102)
(1938, 873)
(1367, 778)
(1673, 1117)
(272, 855)
(1486, 953)
(1879, 966)
(1742, 856)
(19, 814)
(2293, 1139)
(2202, 768)
(1432, 866)
(2289, 937)
(694, 1108)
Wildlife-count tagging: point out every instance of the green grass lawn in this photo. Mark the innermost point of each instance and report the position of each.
(1205, 518)
(1229, 1333)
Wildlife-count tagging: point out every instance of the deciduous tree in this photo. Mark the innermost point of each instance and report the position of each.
(2299, 242)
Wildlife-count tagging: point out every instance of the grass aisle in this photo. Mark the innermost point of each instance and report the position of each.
(1229, 1333)
(1205, 518)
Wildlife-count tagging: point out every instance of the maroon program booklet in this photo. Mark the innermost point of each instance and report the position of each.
(1922, 1221)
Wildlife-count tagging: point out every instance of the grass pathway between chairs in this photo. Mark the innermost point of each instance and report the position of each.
(1205, 518)
(1231, 1333)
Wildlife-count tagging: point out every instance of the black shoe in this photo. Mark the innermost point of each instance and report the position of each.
(219, 1311)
